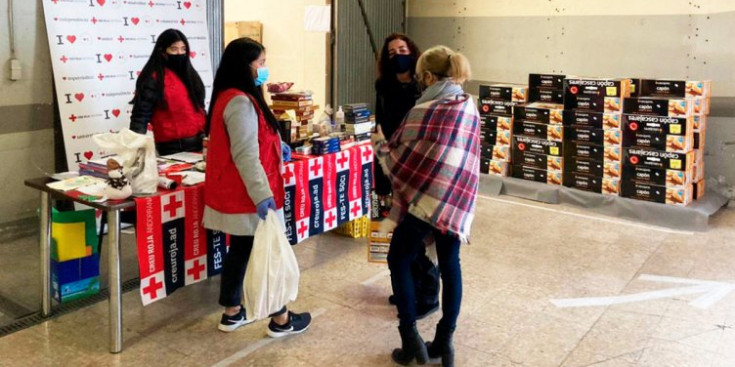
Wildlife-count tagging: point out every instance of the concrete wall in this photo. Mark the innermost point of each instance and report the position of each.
(293, 55)
(506, 40)
(26, 110)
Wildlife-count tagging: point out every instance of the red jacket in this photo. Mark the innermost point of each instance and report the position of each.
(224, 190)
(177, 118)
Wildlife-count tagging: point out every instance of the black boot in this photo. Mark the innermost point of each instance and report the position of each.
(442, 346)
(411, 347)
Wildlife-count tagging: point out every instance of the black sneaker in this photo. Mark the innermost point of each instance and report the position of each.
(229, 324)
(297, 324)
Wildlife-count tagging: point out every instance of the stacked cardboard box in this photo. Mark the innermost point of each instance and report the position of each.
(593, 136)
(547, 88)
(664, 139)
(496, 115)
(302, 106)
(538, 143)
(359, 121)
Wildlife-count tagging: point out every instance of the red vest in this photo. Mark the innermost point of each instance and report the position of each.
(224, 190)
(178, 118)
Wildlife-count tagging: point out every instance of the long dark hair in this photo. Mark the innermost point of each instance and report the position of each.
(154, 69)
(384, 72)
(234, 72)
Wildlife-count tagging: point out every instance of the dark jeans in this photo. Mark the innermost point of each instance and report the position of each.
(426, 281)
(406, 245)
(233, 271)
(382, 182)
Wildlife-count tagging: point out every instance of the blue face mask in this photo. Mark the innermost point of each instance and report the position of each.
(263, 74)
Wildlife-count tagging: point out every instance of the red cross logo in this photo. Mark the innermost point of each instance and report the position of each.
(73, 118)
(150, 3)
(330, 218)
(64, 59)
(55, 1)
(356, 210)
(288, 175)
(316, 168)
(153, 287)
(196, 270)
(342, 160)
(367, 154)
(172, 206)
(302, 229)
(100, 77)
(121, 39)
(94, 20)
(183, 22)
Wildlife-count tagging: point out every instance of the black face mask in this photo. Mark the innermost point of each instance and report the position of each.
(401, 63)
(177, 63)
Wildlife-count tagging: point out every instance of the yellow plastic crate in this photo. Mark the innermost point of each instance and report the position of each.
(358, 228)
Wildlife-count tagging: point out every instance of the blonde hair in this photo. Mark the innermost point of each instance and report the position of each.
(443, 62)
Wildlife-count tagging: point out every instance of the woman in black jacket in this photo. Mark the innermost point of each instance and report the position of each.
(169, 95)
(397, 90)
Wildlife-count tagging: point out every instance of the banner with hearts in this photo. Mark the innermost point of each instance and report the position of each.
(99, 47)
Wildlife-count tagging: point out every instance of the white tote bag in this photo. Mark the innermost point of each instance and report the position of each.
(272, 277)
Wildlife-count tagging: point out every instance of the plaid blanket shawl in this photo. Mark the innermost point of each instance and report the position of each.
(434, 164)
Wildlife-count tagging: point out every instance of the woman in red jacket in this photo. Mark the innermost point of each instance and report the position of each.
(172, 104)
(244, 178)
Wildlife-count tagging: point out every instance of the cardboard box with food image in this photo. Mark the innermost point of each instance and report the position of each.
(595, 94)
(671, 134)
(494, 167)
(597, 120)
(659, 176)
(537, 175)
(504, 92)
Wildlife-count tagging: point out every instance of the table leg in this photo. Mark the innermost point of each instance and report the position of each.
(45, 255)
(113, 238)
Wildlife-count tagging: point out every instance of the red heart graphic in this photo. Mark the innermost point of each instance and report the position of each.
(108, 57)
(88, 155)
(192, 54)
(116, 112)
(138, 72)
(135, 20)
(101, 2)
(79, 96)
(73, 136)
(71, 38)
(187, 4)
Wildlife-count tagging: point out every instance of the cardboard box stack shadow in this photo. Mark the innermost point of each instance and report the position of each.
(664, 140)
(496, 118)
(295, 126)
(75, 259)
(538, 133)
(592, 121)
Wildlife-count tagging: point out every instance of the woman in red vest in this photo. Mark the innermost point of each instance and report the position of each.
(172, 104)
(243, 175)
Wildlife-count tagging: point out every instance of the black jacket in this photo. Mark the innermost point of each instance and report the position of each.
(393, 101)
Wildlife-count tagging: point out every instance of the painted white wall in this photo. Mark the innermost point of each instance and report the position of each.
(294, 55)
(23, 151)
(542, 8)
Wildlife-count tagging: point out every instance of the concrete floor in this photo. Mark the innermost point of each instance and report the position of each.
(522, 257)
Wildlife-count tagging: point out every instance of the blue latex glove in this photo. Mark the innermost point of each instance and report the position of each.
(286, 152)
(264, 205)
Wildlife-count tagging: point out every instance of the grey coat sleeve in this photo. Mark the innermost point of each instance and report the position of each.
(241, 121)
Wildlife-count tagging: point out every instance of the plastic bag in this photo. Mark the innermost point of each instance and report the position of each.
(272, 277)
(138, 153)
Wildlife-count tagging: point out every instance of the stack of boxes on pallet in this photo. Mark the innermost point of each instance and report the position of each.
(359, 121)
(593, 136)
(302, 104)
(496, 119)
(664, 133)
(538, 133)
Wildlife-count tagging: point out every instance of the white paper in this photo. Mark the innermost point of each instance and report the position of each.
(188, 157)
(318, 18)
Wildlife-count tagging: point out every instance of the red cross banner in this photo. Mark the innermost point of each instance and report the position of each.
(289, 180)
(329, 202)
(343, 181)
(354, 187)
(302, 201)
(174, 250)
(316, 194)
(99, 47)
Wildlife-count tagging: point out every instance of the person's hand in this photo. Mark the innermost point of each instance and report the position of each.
(285, 152)
(264, 205)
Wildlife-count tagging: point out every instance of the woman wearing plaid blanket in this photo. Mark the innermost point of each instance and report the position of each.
(433, 160)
